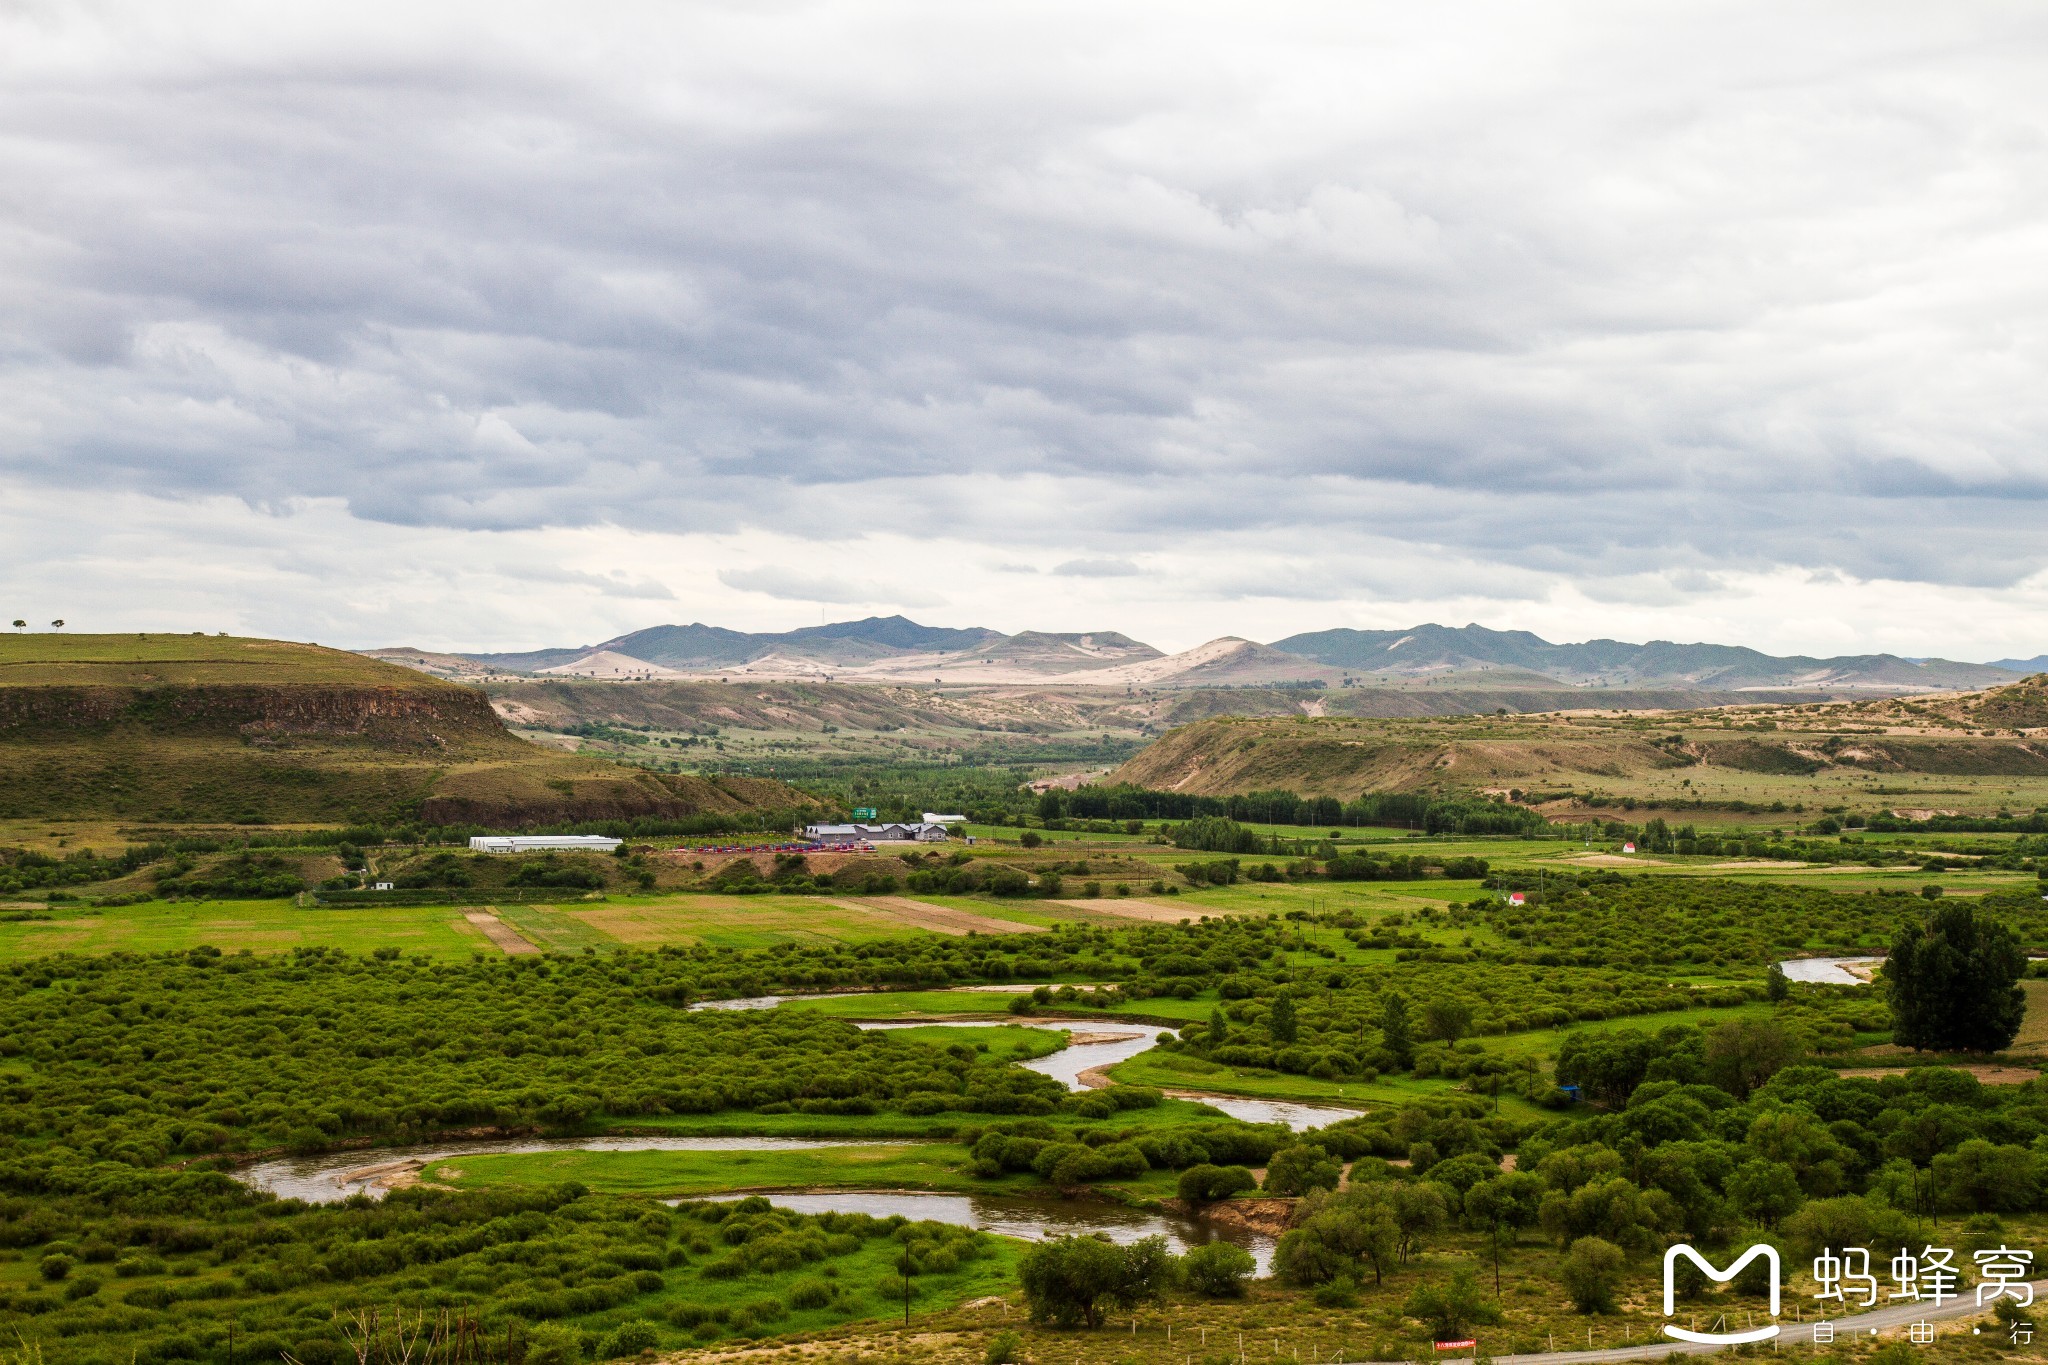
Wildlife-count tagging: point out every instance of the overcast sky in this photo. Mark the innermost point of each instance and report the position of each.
(506, 325)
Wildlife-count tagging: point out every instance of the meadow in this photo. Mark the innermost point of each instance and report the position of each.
(140, 1075)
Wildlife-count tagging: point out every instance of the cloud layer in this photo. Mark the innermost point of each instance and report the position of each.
(1365, 310)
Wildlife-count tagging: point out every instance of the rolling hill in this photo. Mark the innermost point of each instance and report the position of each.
(1612, 663)
(1986, 750)
(894, 650)
(211, 728)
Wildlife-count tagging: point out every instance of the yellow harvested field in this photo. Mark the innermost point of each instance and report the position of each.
(1159, 912)
(2033, 1036)
(760, 919)
(939, 919)
(500, 933)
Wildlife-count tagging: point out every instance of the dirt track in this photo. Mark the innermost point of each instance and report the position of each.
(939, 919)
(1985, 1072)
(500, 933)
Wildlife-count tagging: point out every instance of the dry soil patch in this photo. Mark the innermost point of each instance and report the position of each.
(1986, 1072)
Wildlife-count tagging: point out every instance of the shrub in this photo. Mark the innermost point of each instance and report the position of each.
(1004, 1348)
(1301, 1168)
(628, 1339)
(553, 1344)
(1218, 1270)
(1205, 1183)
(1073, 1280)
(1589, 1272)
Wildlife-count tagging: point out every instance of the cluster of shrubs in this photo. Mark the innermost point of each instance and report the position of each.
(24, 869)
(240, 876)
(1072, 1158)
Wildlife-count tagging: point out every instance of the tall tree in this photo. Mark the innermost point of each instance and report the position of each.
(1953, 983)
(1280, 1019)
(1395, 1033)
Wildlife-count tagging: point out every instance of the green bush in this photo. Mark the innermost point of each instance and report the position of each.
(1218, 1270)
(628, 1339)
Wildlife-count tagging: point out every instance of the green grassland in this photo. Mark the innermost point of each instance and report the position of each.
(1168, 1114)
(152, 660)
(265, 926)
(672, 1175)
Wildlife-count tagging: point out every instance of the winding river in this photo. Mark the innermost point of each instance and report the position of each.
(1031, 1219)
(1829, 971)
(333, 1177)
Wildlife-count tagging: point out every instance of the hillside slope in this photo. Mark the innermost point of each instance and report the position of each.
(1984, 750)
(1610, 663)
(210, 728)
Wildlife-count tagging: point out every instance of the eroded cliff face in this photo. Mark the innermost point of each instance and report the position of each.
(320, 752)
(399, 717)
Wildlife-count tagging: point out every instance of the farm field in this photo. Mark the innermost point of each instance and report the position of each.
(645, 921)
(264, 926)
(336, 1046)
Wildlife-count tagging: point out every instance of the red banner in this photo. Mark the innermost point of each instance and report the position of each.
(1456, 1345)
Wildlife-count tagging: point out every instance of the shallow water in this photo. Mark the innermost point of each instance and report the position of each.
(1826, 970)
(1067, 1065)
(1031, 1219)
(1299, 1117)
(767, 1002)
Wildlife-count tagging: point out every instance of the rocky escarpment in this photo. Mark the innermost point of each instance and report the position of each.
(256, 731)
(409, 717)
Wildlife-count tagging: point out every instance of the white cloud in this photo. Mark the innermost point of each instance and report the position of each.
(793, 586)
(1562, 315)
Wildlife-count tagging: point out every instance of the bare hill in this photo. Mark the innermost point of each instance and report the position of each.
(1979, 750)
(894, 650)
(1426, 649)
(209, 728)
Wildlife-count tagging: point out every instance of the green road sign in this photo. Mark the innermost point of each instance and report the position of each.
(863, 812)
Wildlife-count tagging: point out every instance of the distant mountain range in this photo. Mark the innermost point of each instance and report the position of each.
(893, 649)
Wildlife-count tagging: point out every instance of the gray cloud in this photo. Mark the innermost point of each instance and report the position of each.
(1096, 568)
(1631, 299)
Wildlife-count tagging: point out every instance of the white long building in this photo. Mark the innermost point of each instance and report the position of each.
(537, 843)
(888, 832)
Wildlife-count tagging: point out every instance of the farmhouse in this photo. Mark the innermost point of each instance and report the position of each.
(892, 832)
(535, 843)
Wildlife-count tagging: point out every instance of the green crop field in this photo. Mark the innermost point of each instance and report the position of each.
(438, 932)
